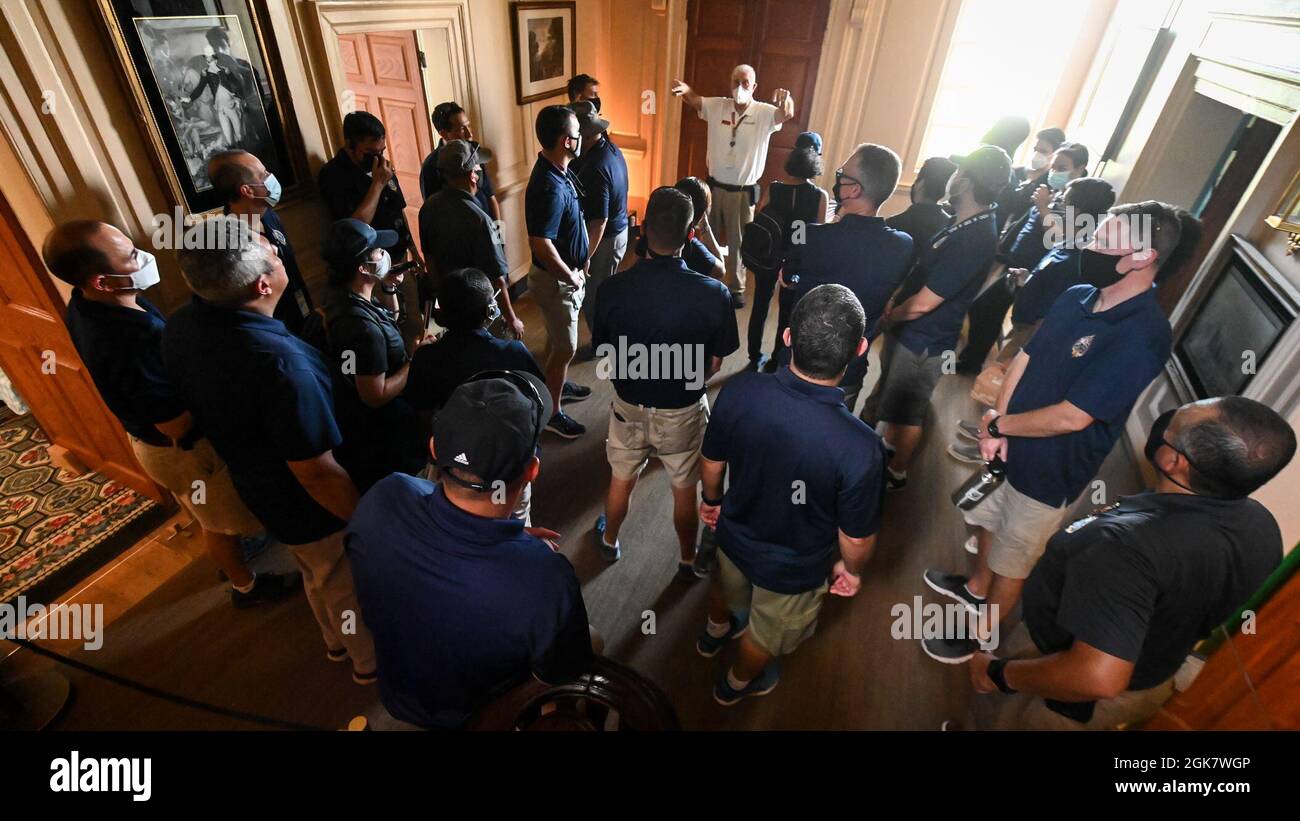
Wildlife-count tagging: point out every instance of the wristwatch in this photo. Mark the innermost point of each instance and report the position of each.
(994, 433)
(711, 502)
(998, 675)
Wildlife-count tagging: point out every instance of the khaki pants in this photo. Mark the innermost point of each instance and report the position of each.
(1020, 711)
(327, 581)
(731, 212)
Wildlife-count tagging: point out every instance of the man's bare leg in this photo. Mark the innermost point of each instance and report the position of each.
(686, 519)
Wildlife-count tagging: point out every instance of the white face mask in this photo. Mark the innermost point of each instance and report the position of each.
(742, 95)
(1039, 161)
(382, 265)
(146, 276)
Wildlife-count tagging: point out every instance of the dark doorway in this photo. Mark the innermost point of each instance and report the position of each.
(781, 39)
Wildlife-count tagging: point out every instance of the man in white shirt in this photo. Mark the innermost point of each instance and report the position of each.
(739, 130)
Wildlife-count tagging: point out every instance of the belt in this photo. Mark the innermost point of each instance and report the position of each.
(186, 442)
(735, 189)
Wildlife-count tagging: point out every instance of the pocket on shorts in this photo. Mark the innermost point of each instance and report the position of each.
(679, 435)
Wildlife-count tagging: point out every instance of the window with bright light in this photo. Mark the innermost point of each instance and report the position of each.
(1005, 60)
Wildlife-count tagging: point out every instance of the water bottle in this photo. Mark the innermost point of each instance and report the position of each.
(983, 482)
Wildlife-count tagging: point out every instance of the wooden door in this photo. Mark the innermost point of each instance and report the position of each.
(37, 355)
(383, 73)
(781, 39)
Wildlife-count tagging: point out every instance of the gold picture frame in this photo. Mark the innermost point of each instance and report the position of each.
(1287, 216)
(184, 120)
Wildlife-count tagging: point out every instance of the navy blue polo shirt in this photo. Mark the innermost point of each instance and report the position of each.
(1027, 250)
(664, 323)
(122, 349)
(1057, 273)
(952, 265)
(263, 398)
(698, 258)
(440, 367)
(553, 211)
(461, 607)
(295, 303)
(602, 173)
(1100, 363)
(800, 468)
(432, 181)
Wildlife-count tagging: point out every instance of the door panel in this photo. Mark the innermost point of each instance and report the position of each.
(64, 402)
(782, 39)
(382, 70)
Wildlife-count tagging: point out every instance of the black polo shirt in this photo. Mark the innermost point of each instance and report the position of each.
(343, 185)
(800, 468)
(951, 265)
(1100, 363)
(440, 367)
(659, 324)
(432, 181)
(456, 233)
(461, 607)
(122, 349)
(602, 173)
(1147, 580)
(553, 211)
(263, 398)
(921, 221)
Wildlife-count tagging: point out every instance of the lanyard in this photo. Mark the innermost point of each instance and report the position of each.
(736, 126)
(952, 229)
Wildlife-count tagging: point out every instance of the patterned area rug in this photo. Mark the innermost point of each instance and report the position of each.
(56, 527)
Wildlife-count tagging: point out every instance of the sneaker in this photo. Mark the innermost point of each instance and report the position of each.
(771, 365)
(968, 430)
(338, 655)
(950, 651)
(954, 587)
(610, 554)
(365, 679)
(950, 726)
(692, 570)
(708, 646)
(267, 587)
(737, 300)
(574, 391)
(761, 686)
(894, 481)
(967, 452)
(972, 545)
(565, 426)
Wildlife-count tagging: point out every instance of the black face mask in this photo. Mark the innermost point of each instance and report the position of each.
(595, 101)
(1099, 270)
(1156, 440)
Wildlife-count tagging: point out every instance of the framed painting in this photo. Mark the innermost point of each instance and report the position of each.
(546, 49)
(203, 76)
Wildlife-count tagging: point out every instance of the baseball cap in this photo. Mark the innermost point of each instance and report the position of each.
(461, 156)
(490, 427)
(347, 239)
(590, 122)
(809, 139)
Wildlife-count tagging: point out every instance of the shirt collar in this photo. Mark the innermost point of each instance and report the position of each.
(466, 527)
(117, 313)
(818, 393)
(864, 222)
(239, 317)
(1122, 311)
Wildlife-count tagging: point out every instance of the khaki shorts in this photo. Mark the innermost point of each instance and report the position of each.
(674, 437)
(218, 509)
(779, 622)
(1021, 711)
(1020, 526)
(907, 381)
(559, 304)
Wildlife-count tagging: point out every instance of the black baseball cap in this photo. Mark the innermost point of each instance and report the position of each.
(490, 427)
(347, 239)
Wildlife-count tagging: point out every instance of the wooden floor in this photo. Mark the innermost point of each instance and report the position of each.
(174, 629)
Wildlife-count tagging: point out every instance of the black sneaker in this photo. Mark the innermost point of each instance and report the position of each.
(894, 482)
(609, 554)
(950, 651)
(954, 587)
(565, 426)
(365, 679)
(267, 587)
(574, 391)
(692, 571)
(770, 364)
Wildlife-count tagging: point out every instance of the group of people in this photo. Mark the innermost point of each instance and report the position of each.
(397, 469)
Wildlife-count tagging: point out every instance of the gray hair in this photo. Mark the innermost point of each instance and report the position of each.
(1239, 450)
(222, 258)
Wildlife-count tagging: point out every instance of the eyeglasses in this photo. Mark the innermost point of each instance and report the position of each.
(840, 177)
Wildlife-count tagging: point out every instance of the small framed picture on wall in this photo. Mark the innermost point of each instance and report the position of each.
(546, 49)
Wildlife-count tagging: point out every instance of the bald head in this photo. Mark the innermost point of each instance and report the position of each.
(231, 170)
(79, 251)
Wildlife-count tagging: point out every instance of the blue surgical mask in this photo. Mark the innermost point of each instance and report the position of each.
(1056, 180)
(273, 190)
